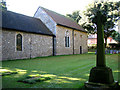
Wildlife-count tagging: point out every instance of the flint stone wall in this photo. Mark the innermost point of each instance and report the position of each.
(80, 39)
(34, 45)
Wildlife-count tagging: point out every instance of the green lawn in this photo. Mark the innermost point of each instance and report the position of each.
(64, 71)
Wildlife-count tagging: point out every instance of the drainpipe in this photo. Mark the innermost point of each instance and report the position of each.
(54, 45)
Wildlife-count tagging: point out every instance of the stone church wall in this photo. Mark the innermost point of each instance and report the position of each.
(48, 21)
(59, 32)
(60, 41)
(34, 45)
(80, 39)
(41, 45)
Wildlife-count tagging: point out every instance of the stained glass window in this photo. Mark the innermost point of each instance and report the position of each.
(19, 42)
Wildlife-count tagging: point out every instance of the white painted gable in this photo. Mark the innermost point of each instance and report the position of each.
(46, 19)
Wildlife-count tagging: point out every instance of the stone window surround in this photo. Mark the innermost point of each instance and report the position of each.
(22, 41)
(67, 35)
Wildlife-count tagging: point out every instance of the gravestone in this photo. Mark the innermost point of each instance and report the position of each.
(117, 51)
(114, 51)
(108, 51)
(111, 51)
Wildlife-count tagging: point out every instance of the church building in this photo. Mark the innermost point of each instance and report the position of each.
(46, 34)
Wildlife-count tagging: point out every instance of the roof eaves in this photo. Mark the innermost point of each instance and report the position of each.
(28, 31)
(72, 28)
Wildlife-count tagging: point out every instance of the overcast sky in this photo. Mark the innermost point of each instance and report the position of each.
(29, 7)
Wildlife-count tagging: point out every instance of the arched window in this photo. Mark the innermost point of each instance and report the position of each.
(67, 39)
(19, 42)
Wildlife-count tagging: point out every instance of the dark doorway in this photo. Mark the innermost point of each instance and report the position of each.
(80, 49)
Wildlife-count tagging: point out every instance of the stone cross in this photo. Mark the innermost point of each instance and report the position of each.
(100, 20)
(101, 75)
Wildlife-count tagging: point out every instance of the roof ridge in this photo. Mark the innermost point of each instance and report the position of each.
(21, 14)
(17, 13)
(63, 20)
(60, 14)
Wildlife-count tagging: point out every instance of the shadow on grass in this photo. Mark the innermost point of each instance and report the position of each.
(70, 71)
(38, 79)
(48, 80)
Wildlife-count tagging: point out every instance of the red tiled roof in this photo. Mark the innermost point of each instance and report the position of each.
(63, 20)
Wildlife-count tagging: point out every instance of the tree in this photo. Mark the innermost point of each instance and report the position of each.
(116, 36)
(3, 5)
(108, 9)
(75, 16)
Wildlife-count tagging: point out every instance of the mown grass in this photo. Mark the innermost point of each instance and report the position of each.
(69, 71)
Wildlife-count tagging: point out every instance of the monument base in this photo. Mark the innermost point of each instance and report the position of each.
(100, 86)
(101, 77)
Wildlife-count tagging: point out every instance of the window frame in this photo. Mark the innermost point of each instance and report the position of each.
(16, 42)
(67, 41)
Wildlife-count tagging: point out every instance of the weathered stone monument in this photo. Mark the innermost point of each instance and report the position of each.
(100, 76)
